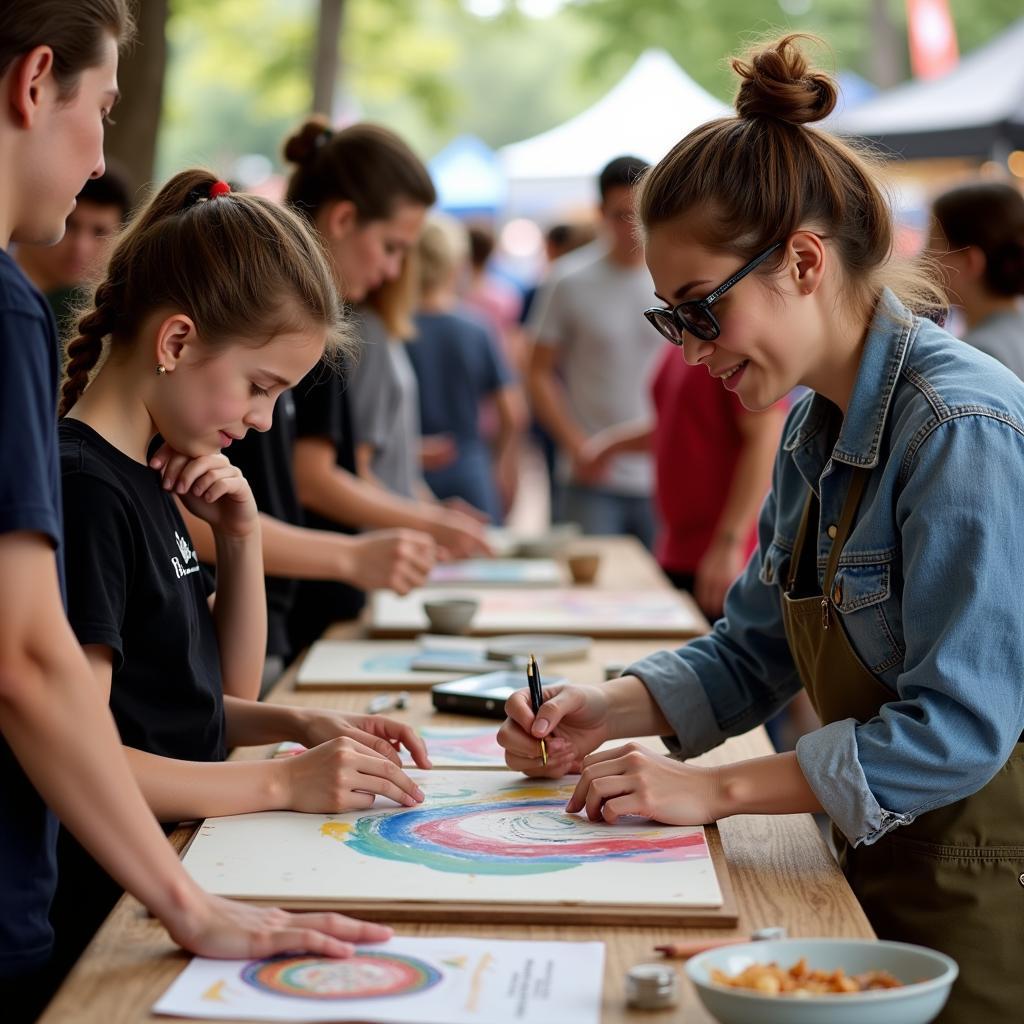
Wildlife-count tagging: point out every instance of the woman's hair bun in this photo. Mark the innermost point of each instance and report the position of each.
(777, 81)
(301, 147)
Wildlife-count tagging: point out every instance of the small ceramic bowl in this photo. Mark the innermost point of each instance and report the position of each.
(927, 977)
(583, 566)
(451, 615)
(548, 544)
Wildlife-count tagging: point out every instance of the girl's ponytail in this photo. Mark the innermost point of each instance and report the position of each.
(85, 349)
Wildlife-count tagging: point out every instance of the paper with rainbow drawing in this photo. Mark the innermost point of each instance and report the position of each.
(476, 832)
(447, 980)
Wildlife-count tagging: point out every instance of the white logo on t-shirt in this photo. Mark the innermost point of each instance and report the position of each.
(187, 555)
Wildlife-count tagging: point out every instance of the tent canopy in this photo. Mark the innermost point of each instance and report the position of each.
(644, 115)
(468, 177)
(977, 109)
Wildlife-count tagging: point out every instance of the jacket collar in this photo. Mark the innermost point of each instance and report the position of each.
(885, 350)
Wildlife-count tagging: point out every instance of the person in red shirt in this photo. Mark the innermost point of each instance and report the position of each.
(713, 464)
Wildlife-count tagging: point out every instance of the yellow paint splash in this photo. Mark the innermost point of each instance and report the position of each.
(215, 993)
(338, 830)
(476, 982)
(455, 961)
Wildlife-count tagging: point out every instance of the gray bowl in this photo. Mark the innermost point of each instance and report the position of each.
(451, 614)
(927, 975)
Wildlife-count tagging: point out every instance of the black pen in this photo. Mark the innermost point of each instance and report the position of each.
(536, 697)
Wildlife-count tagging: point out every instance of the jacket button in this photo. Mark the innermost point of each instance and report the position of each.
(1020, 878)
(832, 531)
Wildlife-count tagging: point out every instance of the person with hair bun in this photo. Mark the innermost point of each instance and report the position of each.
(978, 237)
(367, 195)
(884, 582)
(214, 303)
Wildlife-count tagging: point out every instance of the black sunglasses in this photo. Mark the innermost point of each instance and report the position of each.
(694, 315)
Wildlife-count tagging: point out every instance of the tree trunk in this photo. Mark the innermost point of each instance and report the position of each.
(327, 62)
(132, 140)
(887, 64)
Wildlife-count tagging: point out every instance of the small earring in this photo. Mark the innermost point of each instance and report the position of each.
(160, 369)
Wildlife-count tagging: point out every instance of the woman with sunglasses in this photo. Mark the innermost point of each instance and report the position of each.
(885, 580)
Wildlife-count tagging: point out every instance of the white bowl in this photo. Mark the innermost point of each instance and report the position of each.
(927, 977)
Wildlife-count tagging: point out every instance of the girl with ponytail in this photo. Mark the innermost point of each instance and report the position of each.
(59, 752)
(213, 304)
(885, 579)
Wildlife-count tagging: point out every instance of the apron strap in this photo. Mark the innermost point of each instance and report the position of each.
(801, 539)
(853, 496)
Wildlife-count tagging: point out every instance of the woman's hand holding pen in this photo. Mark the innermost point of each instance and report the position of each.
(573, 721)
(633, 779)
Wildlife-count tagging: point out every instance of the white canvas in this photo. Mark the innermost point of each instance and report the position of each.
(479, 837)
(404, 981)
(498, 572)
(369, 664)
(588, 612)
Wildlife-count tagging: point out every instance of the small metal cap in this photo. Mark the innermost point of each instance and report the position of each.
(774, 932)
(651, 986)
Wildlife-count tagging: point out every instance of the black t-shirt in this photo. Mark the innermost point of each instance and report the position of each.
(29, 500)
(265, 459)
(322, 409)
(134, 584)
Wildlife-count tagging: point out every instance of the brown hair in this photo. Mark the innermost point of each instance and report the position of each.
(239, 266)
(757, 177)
(396, 299)
(989, 215)
(365, 164)
(73, 29)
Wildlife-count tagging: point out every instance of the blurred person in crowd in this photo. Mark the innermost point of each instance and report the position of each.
(591, 363)
(978, 237)
(367, 193)
(458, 362)
(498, 302)
(64, 272)
(713, 465)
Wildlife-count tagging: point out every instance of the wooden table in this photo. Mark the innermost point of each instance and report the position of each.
(782, 872)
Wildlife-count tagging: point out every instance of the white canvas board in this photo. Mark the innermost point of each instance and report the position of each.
(404, 981)
(368, 663)
(588, 612)
(475, 837)
(498, 572)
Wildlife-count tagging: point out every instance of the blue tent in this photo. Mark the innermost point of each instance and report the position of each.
(468, 178)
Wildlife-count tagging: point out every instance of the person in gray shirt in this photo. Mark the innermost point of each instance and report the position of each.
(978, 235)
(591, 362)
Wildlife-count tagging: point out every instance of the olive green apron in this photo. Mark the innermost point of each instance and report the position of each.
(953, 879)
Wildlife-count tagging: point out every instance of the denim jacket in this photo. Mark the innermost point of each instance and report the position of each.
(930, 584)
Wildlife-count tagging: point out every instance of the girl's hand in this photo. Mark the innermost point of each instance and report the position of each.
(573, 721)
(343, 775)
(384, 736)
(633, 779)
(460, 536)
(227, 929)
(211, 488)
(397, 560)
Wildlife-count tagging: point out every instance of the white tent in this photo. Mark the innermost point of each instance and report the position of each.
(650, 109)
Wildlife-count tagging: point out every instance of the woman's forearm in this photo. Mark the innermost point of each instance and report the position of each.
(764, 785)
(240, 613)
(184, 790)
(632, 710)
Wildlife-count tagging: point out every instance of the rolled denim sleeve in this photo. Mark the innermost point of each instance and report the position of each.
(737, 676)
(960, 703)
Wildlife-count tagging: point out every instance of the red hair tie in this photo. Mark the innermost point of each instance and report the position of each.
(219, 188)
